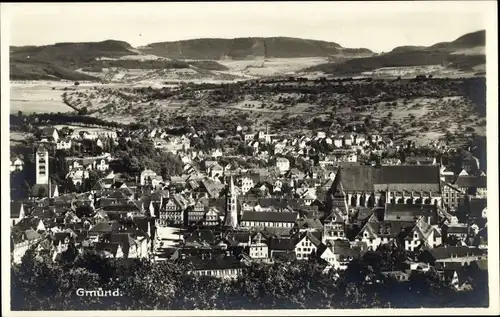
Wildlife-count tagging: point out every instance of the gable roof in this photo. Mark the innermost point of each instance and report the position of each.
(311, 237)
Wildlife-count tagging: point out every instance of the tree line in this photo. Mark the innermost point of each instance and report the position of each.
(38, 283)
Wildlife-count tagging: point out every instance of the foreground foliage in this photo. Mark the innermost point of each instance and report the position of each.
(40, 284)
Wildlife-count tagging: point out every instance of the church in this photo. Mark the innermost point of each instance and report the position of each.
(375, 186)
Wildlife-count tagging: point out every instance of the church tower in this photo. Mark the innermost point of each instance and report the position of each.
(42, 166)
(231, 219)
(337, 197)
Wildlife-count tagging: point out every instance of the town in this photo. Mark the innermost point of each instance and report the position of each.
(270, 198)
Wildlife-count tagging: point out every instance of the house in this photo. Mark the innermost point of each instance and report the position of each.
(45, 190)
(309, 224)
(306, 245)
(451, 196)
(390, 161)
(131, 245)
(216, 170)
(460, 231)
(445, 256)
(149, 177)
(283, 164)
(173, 211)
(121, 211)
(338, 253)
(472, 185)
(27, 223)
(16, 164)
(98, 162)
(64, 144)
(22, 241)
(219, 266)
(196, 212)
(247, 183)
(334, 227)
(269, 219)
(213, 217)
(110, 250)
(423, 234)
(249, 137)
(338, 141)
(282, 249)
(49, 134)
(216, 153)
(375, 232)
(257, 247)
(409, 213)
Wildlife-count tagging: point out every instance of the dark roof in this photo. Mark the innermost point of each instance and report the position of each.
(476, 206)
(201, 235)
(15, 209)
(442, 253)
(309, 223)
(39, 189)
(471, 181)
(457, 229)
(118, 194)
(26, 224)
(284, 256)
(110, 247)
(120, 208)
(407, 212)
(42, 212)
(363, 213)
(376, 178)
(269, 216)
(282, 244)
(103, 202)
(313, 238)
(48, 131)
(105, 227)
(344, 248)
(213, 262)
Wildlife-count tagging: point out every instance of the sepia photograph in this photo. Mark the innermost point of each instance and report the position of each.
(266, 158)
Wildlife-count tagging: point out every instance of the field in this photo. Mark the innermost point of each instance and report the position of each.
(37, 97)
(271, 66)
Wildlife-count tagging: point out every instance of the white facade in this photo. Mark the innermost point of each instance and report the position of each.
(283, 164)
(304, 248)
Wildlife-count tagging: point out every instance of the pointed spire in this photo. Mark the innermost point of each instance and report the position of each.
(231, 184)
(337, 187)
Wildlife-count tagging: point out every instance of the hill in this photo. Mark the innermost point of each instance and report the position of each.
(450, 54)
(65, 60)
(249, 48)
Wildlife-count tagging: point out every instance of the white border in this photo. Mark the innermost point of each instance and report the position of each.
(490, 22)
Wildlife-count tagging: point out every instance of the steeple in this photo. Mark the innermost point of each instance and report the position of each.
(231, 218)
(42, 165)
(337, 197)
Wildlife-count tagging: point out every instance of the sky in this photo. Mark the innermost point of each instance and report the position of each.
(379, 26)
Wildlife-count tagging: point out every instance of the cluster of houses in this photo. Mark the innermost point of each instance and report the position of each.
(227, 218)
